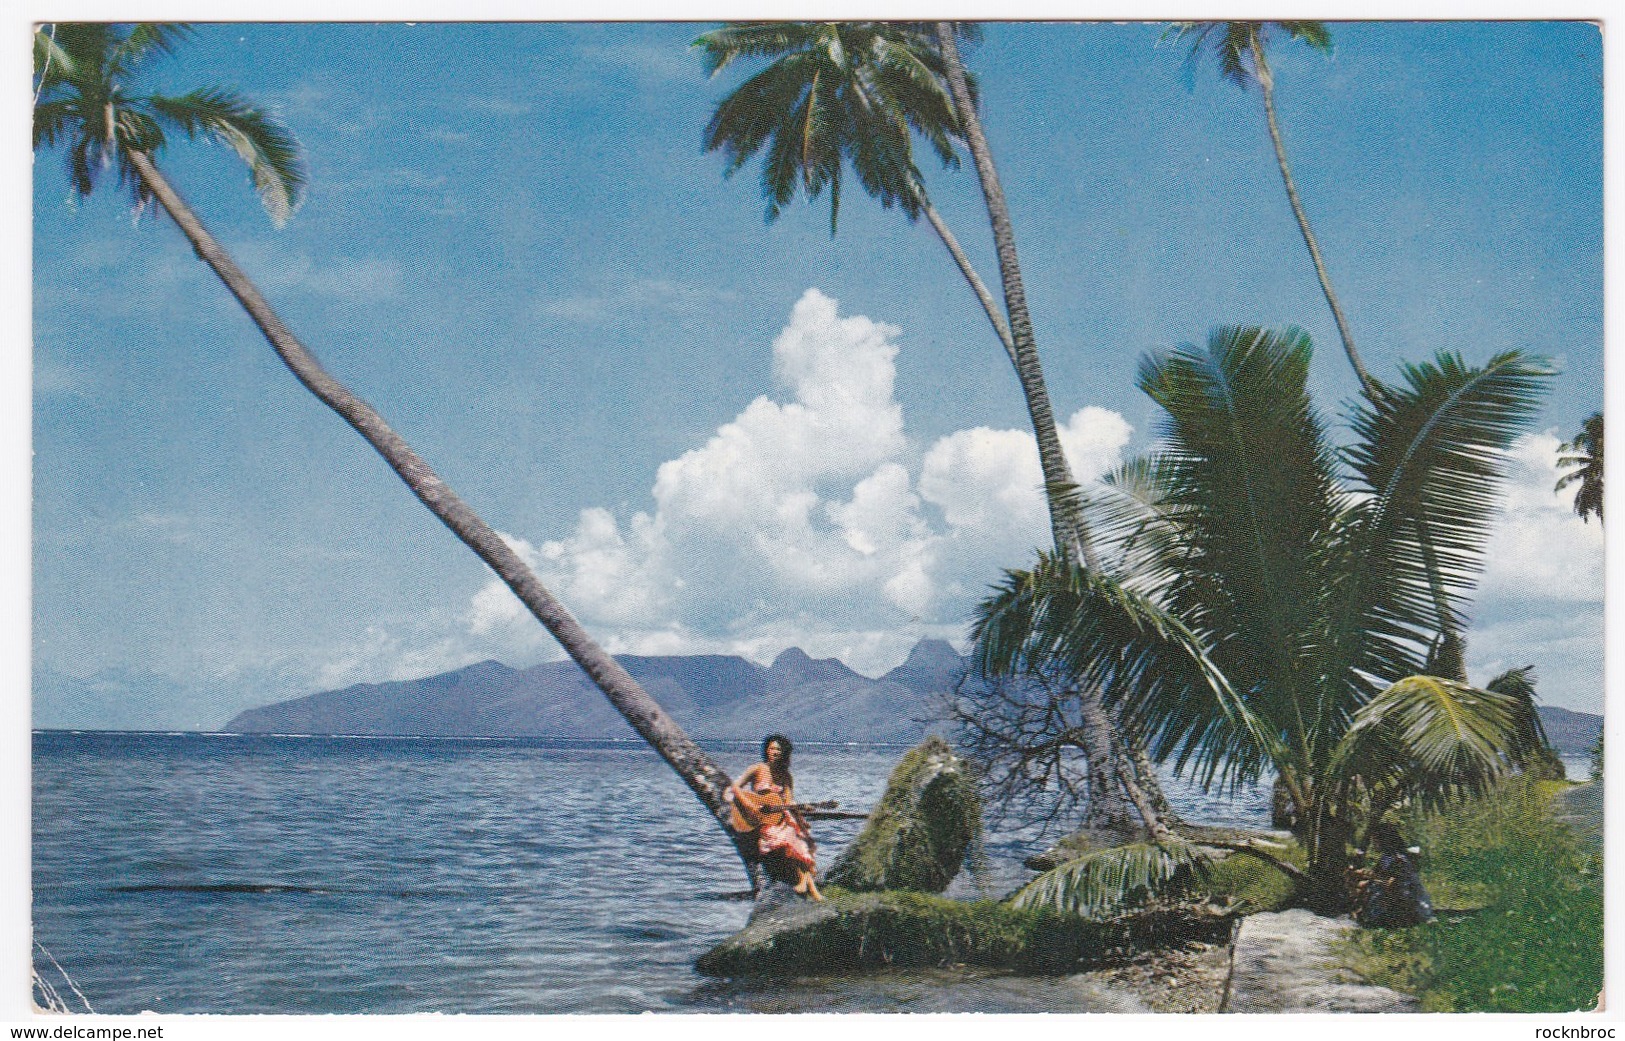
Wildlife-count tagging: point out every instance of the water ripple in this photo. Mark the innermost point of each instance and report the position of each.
(263, 875)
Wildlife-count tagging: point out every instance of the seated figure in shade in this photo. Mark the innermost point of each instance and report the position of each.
(1391, 894)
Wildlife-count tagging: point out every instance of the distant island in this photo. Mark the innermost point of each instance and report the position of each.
(712, 695)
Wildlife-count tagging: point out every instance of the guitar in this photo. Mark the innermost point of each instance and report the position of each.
(750, 810)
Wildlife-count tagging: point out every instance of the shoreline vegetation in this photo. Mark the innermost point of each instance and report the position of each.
(1518, 877)
(1489, 860)
(1269, 592)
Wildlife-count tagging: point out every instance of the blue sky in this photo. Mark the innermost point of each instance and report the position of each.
(712, 434)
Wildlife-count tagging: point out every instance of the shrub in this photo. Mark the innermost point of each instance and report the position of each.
(1527, 889)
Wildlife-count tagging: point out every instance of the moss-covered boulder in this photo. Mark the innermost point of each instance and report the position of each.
(852, 932)
(917, 837)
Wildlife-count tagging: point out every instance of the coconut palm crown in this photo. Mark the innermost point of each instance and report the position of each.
(833, 96)
(1582, 459)
(87, 105)
(1277, 600)
(1238, 45)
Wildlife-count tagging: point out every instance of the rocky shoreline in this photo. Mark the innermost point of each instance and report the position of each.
(887, 919)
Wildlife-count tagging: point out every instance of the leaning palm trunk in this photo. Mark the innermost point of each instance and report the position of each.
(994, 316)
(1449, 631)
(1066, 522)
(1266, 83)
(640, 710)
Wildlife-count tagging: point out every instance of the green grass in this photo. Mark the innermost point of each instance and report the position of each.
(1249, 883)
(1532, 886)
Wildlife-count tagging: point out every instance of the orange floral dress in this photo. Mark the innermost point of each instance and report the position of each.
(786, 836)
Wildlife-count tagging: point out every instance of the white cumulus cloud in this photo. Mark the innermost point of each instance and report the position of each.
(1540, 601)
(1542, 550)
(809, 519)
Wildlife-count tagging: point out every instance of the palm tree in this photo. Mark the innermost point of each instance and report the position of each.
(852, 94)
(1241, 51)
(86, 104)
(839, 95)
(1278, 610)
(1584, 463)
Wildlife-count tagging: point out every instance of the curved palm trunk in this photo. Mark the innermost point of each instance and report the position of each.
(1372, 390)
(1000, 326)
(1266, 83)
(703, 777)
(1067, 525)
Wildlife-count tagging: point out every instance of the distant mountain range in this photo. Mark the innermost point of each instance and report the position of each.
(1571, 733)
(710, 695)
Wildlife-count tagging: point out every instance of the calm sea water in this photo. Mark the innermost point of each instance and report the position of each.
(255, 874)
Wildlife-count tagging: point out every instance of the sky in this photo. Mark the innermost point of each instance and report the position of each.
(713, 434)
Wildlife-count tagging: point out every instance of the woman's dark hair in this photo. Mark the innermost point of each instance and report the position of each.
(1385, 838)
(784, 743)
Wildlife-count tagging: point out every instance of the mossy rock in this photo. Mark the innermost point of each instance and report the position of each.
(852, 932)
(1079, 844)
(917, 837)
(1247, 885)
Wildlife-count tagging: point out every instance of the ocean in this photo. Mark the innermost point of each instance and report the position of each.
(204, 873)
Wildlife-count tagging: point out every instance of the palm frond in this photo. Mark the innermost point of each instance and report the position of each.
(1315, 34)
(85, 49)
(1519, 682)
(1132, 517)
(83, 161)
(1584, 461)
(1530, 746)
(1432, 739)
(1246, 468)
(913, 74)
(1447, 656)
(723, 46)
(751, 115)
(146, 40)
(272, 155)
(1429, 463)
(1112, 880)
(1063, 619)
(52, 63)
(54, 121)
(1231, 43)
